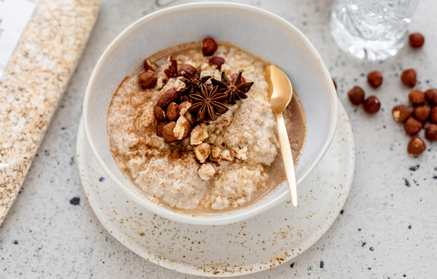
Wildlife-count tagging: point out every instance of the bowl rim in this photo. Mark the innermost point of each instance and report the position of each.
(226, 218)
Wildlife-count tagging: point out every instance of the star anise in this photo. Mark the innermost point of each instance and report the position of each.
(234, 89)
(192, 83)
(208, 103)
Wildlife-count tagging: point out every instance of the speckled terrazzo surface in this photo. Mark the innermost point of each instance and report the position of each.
(386, 230)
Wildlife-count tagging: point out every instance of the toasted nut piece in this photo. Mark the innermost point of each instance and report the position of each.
(431, 96)
(416, 146)
(371, 105)
(409, 78)
(168, 132)
(434, 114)
(416, 40)
(215, 152)
(209, 46)
(147, 66)
(206, 172)
(198, 134)
(218, 61)
(421, 113)
(226, 155)
(234, 76)
(147, 80)
(183, 108)
(356, 95)
(412, 127)
(431, 132)
(173, 111)
(160, 128)
(400, 113)
(182, 128)
(169, 96)
(186, 70)
(190, 118)
(202, 152)
(417, 98)
(159, 113)
(374, 79)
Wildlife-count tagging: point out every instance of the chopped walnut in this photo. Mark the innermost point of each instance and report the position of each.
(198, 134)
(226, 155)
(215, 152)
(241, 153)
(206, 172)
(202, 152)
(182, 128)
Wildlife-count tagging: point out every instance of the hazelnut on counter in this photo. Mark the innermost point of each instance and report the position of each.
(431, 96)
(412, 127)
(434, 114)
(431, 132)
(371, 105)
(409, 78)
(416, 97)
(374, 79)
(416, 146)
(421, 113)
(202, 152)
(206, 172)
(400, 113)
(416, 40)
(356, 95)
(147, 80)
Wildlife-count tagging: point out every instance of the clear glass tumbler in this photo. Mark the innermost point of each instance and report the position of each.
(371, 29)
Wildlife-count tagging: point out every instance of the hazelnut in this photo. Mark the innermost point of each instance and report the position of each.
(421, 113)
(374, 79)
(183, 108)
(173, 111)
(167, 133)
(186, 70)
(209, 46)
(160, 128)
(434, 114)
(159, 113)
(182, 128)
(412, 127)
(202, 152)
(416, 40)
(431, 132)
(234, 76)
(417, 98)
(409, 78)
(198, 134)
(147, 66)
(416, 146)
(431, 96)
(400, 113)
(218, 61)
(371, 105)
(356, 95)
(169, 96)
(206, 172)
(335, 84)
(215, 152)
(147, 80)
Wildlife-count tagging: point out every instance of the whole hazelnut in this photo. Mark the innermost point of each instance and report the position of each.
(434, 114)
(374, 79)
(169, 96)
(400, 113)
(421, 113)
(186, 70)
(431, 132)
(147, 80)
(356, 95)
(416, 40)
(209, 46)
(412, 127)
(218, 61)
(431, 96)
(160, 128)
(371, 105)
(167, 132)
(416, 146)
(173, 111)
(417, 98)
(234, 76)
(159, 113)
(409, 78)
(335, 84)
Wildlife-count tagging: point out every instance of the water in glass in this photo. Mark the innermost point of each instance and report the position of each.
(371, 29)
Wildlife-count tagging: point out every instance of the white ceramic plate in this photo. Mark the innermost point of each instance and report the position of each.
(259, 243)
(253, 29)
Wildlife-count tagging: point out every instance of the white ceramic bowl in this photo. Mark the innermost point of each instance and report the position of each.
(253, 29)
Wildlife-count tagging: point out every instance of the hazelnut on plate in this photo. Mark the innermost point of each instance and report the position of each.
(431, 132)
(412, 127)
(409, 78)
(416, 40)
(421, 113)
(416, 97)
(416, 146)
(202, 152)
(374, 79)
(356, 95)
(371, 105)
(400, 113)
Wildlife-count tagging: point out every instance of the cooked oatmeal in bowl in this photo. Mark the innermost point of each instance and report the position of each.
(191, 128)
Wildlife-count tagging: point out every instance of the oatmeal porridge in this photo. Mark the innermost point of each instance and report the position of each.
(192, 129)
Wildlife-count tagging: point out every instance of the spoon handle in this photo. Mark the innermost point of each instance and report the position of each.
(287, 157)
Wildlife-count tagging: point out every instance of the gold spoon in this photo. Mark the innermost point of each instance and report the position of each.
(281, 91)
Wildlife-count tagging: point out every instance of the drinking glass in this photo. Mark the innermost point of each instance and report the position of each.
(371, 29)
